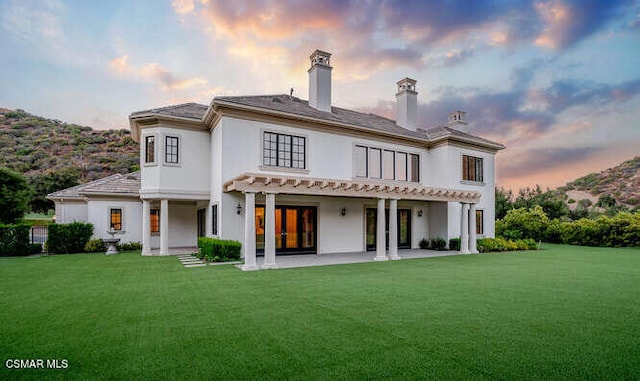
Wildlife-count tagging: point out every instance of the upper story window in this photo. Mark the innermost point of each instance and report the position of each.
(150, 149)
(472, 168)
(171, 154)
(280, 150)
(376, 163)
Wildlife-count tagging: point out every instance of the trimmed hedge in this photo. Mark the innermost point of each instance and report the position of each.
(454, 244)
(486, 245)
(15, 242)
(214, 249)
(69, 238)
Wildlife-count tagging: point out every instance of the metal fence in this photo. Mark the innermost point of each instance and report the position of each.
(39, 234)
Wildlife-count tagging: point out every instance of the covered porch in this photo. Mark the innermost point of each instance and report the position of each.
(382, 193)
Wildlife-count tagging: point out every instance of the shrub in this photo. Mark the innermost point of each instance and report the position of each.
(486, 245)
(454, 244)
(524, 223)
(130, 246)
(69, 238)
(213, 249)
(94, 246)
(424, 243)
(438, 243)
(14, 240)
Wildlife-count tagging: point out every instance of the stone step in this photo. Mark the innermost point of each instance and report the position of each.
(195, 265)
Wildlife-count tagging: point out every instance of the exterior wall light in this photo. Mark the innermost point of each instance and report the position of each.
(343, 211)
(420, 212)
(238, 208)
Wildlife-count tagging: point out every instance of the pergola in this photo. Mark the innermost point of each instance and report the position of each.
(270, 185)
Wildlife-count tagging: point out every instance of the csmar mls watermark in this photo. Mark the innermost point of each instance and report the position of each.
(36, 364)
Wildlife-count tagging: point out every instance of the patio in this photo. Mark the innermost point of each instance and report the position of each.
(309, 260)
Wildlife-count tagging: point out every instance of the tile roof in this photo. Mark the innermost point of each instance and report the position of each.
(295, 106)
(292, 105)
(117, 184)
(185, 110)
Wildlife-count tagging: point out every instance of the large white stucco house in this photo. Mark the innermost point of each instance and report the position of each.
(284, 175)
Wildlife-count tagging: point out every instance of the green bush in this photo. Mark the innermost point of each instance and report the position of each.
(94, 246)
(69, 238)
(523, 223)
(438, 243)
(424, 243)
(621, 230)
(14, 241)
(130, 246)
(214, 250)
(454, 244)
(486, 245)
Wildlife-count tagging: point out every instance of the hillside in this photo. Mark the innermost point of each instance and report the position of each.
(33, 145)
(621, 183)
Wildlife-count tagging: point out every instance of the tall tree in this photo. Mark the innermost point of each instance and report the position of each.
(15, 196)
(49, 182)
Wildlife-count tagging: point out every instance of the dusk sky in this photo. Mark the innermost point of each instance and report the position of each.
(557, 82)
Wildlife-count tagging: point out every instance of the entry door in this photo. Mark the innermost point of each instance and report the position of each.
(295, 229)
(403, 224)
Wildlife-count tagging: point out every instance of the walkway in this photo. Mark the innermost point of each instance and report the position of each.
(309, 260)
(188, 260)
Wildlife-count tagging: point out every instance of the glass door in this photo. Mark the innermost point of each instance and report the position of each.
(295, 229)
(403, 225)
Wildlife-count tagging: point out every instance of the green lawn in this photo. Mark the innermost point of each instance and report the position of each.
(564, 312)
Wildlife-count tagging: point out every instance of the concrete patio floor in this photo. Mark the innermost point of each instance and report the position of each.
(309, 260)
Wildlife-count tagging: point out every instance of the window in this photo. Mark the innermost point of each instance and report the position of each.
(374, 163)
(472, 168)
(154, 220)
(116, 219)
(283, 151)
(214, 219)
(479, 221)
(414, 168)
(360, 160)
(150, 149)
(388, 165)
(401, 166)
(171, 150)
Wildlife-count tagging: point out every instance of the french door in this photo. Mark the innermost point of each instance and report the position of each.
(403, 225)
(295, 229)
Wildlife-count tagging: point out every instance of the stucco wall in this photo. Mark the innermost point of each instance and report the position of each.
(98, 212)
(71, 211)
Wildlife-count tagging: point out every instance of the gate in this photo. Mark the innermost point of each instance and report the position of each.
(39, 234)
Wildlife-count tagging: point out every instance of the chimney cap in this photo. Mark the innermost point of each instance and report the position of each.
(320, 57)
(457, 116)
(407, 84)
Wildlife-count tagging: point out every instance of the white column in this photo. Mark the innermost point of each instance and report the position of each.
(249, 232)
(464, 229)
(472, 229)
(270, 233)
(380, 233)
(146, 227)
(393, 229)
(164, 227)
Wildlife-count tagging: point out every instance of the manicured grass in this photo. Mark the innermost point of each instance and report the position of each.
(564, 312)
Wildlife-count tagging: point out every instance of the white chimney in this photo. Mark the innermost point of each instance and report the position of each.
(457, 120)
(320, 81)
(407, 104)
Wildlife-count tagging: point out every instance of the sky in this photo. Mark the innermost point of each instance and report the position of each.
(557, 82)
